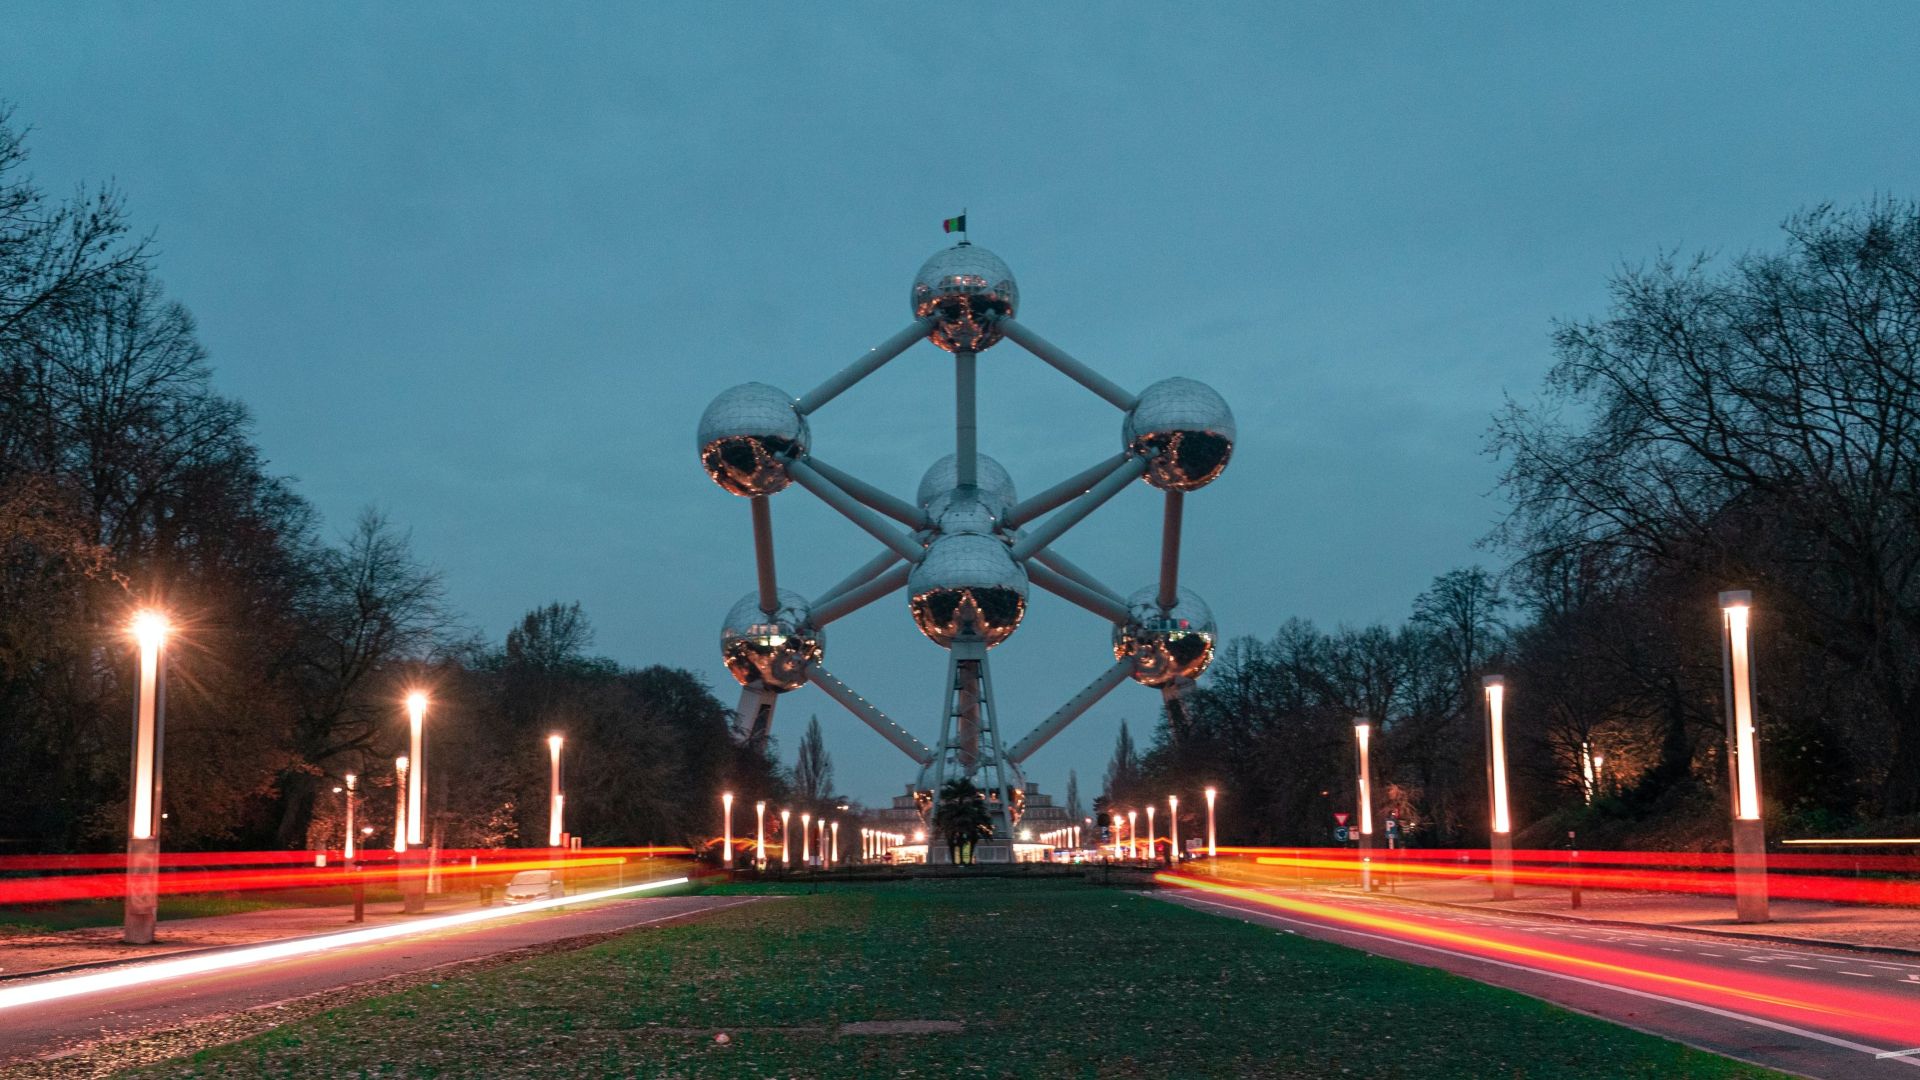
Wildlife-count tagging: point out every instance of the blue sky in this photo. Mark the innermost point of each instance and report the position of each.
(483, 268)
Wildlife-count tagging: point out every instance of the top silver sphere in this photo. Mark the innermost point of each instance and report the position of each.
(958, 288)
(747, 434)
(967, 586)
(1186, 428)
(1165, 646)
(939, 487)
(771, 651)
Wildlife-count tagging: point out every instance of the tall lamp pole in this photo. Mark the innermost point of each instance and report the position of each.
(726, 829)
(150, 630)
(836, 841)
(1502, 828)
(1362, 735)
(347, 848)
(1173, 826)
(1743, 751)
(1153, 847)
(417, 776)
(1211, 850)
(400, 805)
(806, 838)
(760, 834)
(1133, 835)
(786, 835)
(556, 805)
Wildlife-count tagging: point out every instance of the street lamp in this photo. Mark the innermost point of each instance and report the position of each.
(1173, 826)
(1502, 839)
(347, 852)
(760, 834)
(149, 629)
(1153, 848)
(836, 842)
(1743, 751)
(1133, 836)
(786, 849)
(1211, 793)
(806, 838)
(1362, 734)
(400, 805)
(556, 806)
(726, 829)
(417, 778)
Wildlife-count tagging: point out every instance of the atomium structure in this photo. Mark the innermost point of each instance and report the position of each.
(967, 550)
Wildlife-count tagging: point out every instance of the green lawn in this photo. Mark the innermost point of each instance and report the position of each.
(1049, 979)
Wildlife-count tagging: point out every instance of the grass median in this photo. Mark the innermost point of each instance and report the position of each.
(955, 978)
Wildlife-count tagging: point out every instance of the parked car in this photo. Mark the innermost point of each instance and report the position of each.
(530, 885)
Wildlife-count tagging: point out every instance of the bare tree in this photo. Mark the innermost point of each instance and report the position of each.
(813, 768)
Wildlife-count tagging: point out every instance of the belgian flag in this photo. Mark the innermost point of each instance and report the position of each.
(955, 224)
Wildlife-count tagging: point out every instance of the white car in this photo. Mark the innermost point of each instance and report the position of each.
(530, 885)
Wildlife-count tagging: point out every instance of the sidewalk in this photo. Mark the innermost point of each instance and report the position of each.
(1796, 920)
(27, 954)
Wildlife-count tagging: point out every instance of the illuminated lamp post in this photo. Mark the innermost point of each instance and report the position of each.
(1173, 826)
(836, 841)
(1743, 753)
(346, 852)
(400, 805)
(1502, 830)
(150, 630)
(417, 777)
(1211, 793)
(1362, 735)
(786, 849)
(1153, 848)
(760, 834)
(556, 806)
(1133, 836)
(726, 829)
(806, 838)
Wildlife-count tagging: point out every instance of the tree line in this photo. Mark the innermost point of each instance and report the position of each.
(1744, 423)
(127, 480)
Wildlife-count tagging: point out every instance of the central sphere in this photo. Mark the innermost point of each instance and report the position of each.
(1186, 430)
(959, 289)
(968, 585)
(939, 488)
(746, 436)
(771, 651)
(1165, 646)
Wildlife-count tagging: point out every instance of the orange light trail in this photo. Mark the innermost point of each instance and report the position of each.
(1858, 1013)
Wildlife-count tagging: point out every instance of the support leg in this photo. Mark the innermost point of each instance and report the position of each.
(763, 554)
(1170, 550)
(753, 721)
(965, 408)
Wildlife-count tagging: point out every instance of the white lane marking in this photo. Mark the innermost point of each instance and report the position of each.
(1704, 952)
(1857, 974)
(1804, 967)
(1832, 1040)
(1898, 1053)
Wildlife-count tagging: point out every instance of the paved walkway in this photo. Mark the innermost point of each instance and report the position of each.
(26, 954)
(1796, 920)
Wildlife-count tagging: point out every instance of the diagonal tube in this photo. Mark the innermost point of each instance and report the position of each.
(873, 717)
(850, 508)
(1063, 492)
(1068, 589)
(873, 361)
(1058, 563)
(1170, 550)
(894, 507)
(869, 570)
(1067, 365)
(1070, 515)
(1068, 713)
(854, 599)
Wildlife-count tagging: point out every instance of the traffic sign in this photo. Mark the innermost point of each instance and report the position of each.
(1340, 832)
(1340, 819)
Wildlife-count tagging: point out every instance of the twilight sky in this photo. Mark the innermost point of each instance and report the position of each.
(484, 268)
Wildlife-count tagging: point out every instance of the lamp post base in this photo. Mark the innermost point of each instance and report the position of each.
(1750, 871)
(1501, 877)
(413, 880)
(143, 890)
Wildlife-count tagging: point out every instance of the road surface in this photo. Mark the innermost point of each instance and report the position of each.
(1814, 1011)
(61, 1026)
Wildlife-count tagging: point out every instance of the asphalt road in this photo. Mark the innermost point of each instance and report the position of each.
(55, 1027)
(1813, 1011)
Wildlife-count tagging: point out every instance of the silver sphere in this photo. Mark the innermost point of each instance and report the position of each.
(959, 288)
(939, 488)
(1186, 427)
(771, 652)
(968, 585)
(1165, 646)
(745, 436)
